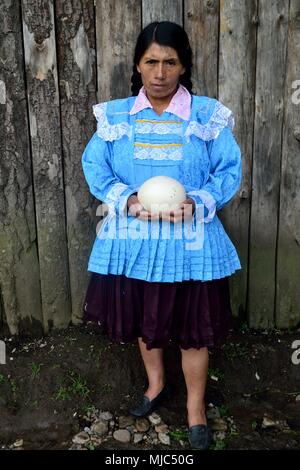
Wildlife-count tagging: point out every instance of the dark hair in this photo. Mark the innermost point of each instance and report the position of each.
(164, 33)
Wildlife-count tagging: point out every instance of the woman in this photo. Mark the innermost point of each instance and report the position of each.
(155, 288)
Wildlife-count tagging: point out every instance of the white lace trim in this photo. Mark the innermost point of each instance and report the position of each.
(155, 128)
(153, 153)
(208, 200)
(221, 118)
(113, 195)
(107, 131)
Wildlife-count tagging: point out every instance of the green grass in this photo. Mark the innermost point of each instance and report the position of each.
(253, 424)
(219, 444)
(35, 370)
(78, 385)
(63, 394)
(73, 385)
(223, 411)
(179, 435)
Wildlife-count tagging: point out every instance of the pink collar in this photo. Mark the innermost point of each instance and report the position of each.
(180, 104)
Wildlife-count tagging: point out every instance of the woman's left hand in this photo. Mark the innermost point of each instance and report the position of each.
(184, 212)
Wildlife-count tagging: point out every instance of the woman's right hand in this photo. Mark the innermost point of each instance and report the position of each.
(136, 209)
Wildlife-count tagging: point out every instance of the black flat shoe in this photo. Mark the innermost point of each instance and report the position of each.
(200, 436)
(146, 406)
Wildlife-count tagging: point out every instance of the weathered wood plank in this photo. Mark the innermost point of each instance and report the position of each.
(201, 22)
(43, 101)
(77, 84)
(270, 73)
(117, 30)
(162, 10)
(237, 55)
(288, 255)
(19, 268)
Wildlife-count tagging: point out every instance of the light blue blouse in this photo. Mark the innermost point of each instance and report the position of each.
(201, 153)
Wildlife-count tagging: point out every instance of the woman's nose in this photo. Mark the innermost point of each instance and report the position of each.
(160, 71)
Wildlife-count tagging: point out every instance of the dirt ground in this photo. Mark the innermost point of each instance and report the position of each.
(48, 387)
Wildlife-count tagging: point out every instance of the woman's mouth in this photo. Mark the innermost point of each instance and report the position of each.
(158, 87)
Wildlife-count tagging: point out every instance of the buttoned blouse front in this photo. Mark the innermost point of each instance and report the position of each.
(133, 143)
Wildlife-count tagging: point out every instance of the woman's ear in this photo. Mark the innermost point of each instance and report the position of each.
(183, 71)
(138, 69)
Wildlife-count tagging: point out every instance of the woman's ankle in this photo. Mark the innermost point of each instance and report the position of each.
(196, 416)
(154, 389)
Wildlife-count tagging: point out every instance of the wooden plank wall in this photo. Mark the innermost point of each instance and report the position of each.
(57, 59)
(19, 268)
(236, 89)
(267, 147)
(287, 311)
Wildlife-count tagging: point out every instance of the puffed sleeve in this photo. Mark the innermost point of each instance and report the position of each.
(225, 172)
(102, 182)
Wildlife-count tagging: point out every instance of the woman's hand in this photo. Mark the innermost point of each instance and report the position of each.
(136, 209)
(184, 212)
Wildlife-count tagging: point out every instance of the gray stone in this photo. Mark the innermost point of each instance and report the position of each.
(142, 425)
(125, 421)
(164, 438)
(122, 435)
(18, 443)
(96, 441)
(268, 422)
(213, 413)
(137, 437)
(162, 427)
(218, 424)
(81, 438)
(100, 427)
(152, 435)
(106, 415)
(155, 419)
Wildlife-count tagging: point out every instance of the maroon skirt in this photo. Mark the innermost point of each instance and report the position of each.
(191, 314)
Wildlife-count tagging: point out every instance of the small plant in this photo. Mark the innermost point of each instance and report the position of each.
(90, 446)
(253, 424)
(179, 435)
(88, 410)
(220, 444)
(223, 411)
(63, 394)
(72, 385)
(2, 379)
(35, 370)
(78, 385)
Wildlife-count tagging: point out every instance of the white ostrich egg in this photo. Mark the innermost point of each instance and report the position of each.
(161, 193)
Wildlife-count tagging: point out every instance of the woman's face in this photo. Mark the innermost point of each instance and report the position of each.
(160, 70)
